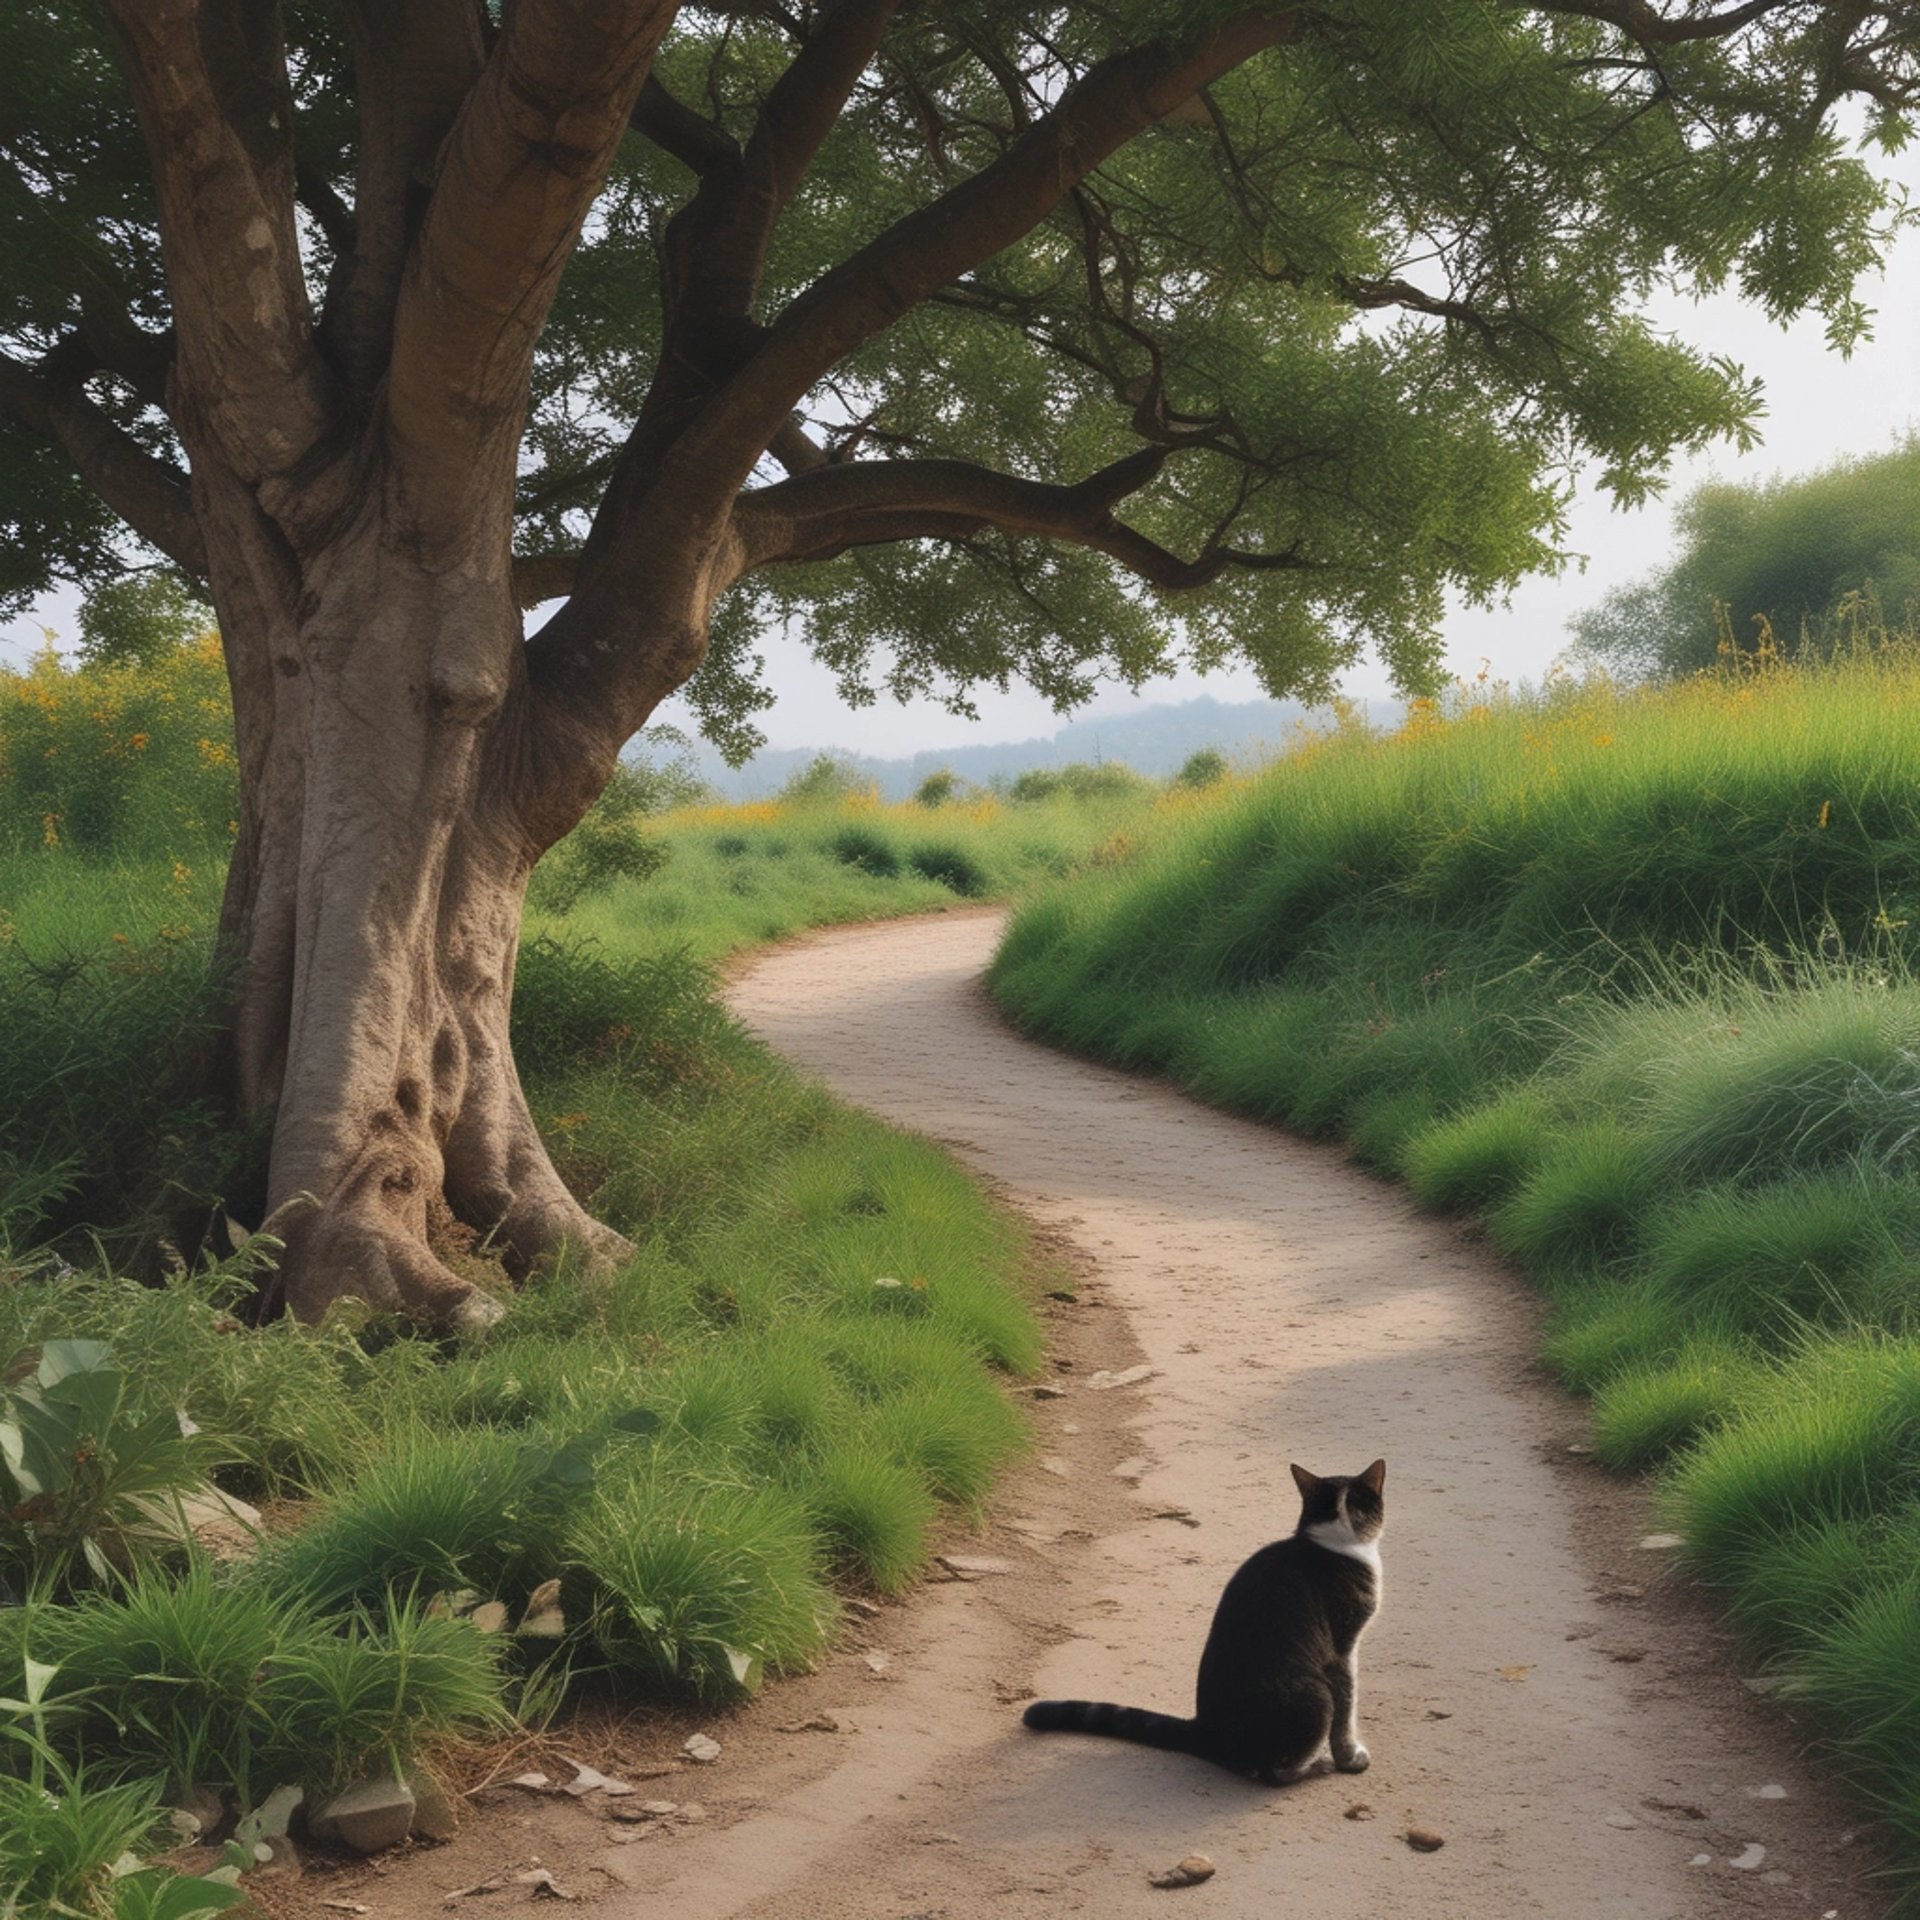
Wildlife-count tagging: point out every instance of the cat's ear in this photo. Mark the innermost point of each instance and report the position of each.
(1375, 1476)
(1304, 1480)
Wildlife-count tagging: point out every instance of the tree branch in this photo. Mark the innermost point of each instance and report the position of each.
(666, 504)
(326, 209)
(1649, 27)
(523, 163)
(543, 576)
(122, 346)
(149, 494)
(795, 448)
(823, 513)
(209, 80)
(673, 126)
(414, 66)
(716, 245)
(940, 241)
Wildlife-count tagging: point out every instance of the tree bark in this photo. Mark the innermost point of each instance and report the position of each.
(389, 823)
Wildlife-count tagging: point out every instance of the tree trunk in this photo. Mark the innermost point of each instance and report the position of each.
(373, 913)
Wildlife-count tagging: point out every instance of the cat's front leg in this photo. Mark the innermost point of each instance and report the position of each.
(1344, 1738)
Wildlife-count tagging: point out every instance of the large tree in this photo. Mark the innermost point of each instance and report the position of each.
(976, 339)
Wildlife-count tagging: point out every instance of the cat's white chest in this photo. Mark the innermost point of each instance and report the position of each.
(1337, 1536)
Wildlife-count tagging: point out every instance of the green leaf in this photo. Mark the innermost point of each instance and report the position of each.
(39, 1677)
(28, 1478)
(60, 1359)
(154, 1893)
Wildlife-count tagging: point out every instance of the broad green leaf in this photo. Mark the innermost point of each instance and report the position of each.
(59, 1359)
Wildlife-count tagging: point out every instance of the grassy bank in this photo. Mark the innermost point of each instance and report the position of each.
(662, 1484)
(715, 879)
(1630, 977)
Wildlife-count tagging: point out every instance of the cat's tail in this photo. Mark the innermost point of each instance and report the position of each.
(1144, 1729)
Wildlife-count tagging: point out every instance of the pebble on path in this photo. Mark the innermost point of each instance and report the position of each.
(1424, 1840)
(1189, 1873)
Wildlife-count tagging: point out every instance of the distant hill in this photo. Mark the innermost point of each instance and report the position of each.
(1154, 740)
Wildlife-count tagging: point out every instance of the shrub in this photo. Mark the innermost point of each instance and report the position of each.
(1037, 783)
(213, 1681)
(104, 1049)
(1603, 1327)
(140, 620)
(868, 849)
(91, 1481)
(1811, 1251)
(1833, 1436)
(826, 780)
(60, 1844)
(951, 866)
(131, 756)
(1206, 767)
(166, 1672)
(1781, 554)
(651, 1022)
(606, 846)
(659, 774)
(384, 1687)
(875, 1513)
(438, 1512)
(1646, 1411)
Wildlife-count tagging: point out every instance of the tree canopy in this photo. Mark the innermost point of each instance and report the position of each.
(1778, 558)
(1040, 312)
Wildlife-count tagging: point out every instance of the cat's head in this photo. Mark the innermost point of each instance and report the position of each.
(1353, 1502)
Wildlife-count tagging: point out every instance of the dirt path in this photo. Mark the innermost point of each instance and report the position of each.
(1538, 1688)
(1295, 1309)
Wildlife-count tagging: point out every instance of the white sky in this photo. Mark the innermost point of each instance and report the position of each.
(1819, 408)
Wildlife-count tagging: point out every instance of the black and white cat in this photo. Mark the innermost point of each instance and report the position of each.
(1281, 1669)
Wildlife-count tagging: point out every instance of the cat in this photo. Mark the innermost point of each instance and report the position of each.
(1280, 1672)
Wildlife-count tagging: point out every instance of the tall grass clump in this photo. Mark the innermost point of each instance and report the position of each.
(211, 1679)
(1632, 976)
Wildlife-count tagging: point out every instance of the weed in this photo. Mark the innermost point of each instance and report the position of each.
(704, 1586)
(376, 1692)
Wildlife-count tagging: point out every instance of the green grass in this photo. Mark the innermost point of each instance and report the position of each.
(735, 876)
(57, 1848)
(789, 1392)
(1633, 977)
(704, 1584)
(212, 1679)
(1583, 1206)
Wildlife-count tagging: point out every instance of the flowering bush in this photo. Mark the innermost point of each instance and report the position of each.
(132, 757)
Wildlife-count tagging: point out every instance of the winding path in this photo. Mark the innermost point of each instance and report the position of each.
(1538, 1689)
